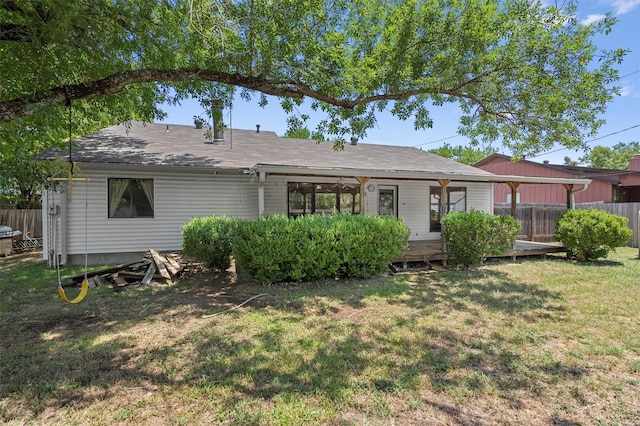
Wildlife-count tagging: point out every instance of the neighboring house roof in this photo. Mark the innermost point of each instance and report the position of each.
(245, 150)
(611, 176)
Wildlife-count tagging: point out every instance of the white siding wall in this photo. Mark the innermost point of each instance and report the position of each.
(181, 196)
(413, 199)
(480, 196)
(413, 203)
(275, 195)
(413, 207)
(178, 197)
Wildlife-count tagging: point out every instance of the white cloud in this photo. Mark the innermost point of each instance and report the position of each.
(626, 90)
(624, 6)
(592, 19)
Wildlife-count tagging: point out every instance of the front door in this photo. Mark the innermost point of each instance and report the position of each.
(388, 200)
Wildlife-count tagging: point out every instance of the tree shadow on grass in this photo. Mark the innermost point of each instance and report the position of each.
(383, 359)
(492, 291)
(294, 343)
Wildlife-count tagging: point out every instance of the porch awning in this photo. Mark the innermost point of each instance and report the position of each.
(482, 176)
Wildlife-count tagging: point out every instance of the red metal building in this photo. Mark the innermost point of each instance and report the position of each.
(608, 185)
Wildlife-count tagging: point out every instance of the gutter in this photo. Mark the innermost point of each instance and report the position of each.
(411, 175)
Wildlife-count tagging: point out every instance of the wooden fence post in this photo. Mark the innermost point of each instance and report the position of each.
(532, 224)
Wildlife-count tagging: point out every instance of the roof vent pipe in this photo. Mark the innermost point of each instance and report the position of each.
(354, 140)
(218, 134)
(545, 162)
(257, 128)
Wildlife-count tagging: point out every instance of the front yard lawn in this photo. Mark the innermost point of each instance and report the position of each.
(531, 342)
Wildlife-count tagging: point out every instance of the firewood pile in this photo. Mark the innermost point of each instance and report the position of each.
(152, 268)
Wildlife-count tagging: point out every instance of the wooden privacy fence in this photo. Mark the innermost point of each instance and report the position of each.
(29, 221)
(538, 221)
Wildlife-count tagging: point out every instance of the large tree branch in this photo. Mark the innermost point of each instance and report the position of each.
(13, 109)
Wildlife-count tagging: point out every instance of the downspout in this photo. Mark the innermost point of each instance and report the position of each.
(571, 194)
(64, 204)
(261, 180)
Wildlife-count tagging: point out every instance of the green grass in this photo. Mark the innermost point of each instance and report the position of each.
(531, 342)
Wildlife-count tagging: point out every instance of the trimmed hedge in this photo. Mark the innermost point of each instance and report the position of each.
(471, 235)
(210, 240)
(590, 234)
(315, 247)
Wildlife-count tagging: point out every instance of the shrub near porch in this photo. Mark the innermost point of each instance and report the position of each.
(315, 247)
(209, 240)
(471, 235)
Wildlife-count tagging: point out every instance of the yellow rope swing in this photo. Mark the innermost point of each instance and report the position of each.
(85, 283)
(83, 292)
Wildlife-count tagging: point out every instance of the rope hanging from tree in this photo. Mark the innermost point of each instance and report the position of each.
(85, 283)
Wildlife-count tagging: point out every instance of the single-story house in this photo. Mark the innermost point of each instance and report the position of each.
(144, 181)
(608, 185)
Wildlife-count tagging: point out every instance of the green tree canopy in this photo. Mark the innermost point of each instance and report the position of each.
(300, 133)
(464, 154)
(524, 73)
(615, 157)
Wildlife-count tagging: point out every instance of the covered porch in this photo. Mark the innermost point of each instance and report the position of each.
(426, 245)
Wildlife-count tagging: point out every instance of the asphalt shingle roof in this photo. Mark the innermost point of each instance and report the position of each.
(178, 145)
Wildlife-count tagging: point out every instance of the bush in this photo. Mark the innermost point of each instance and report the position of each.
(471, 236)
(590, 234)
(315, 247)
(366, 244)
(209, 240)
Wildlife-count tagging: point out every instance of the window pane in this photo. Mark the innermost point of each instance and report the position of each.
(457, 199)
(387, 201)
(349, 198)
(140, 203)
(300, 197)
(130, 197)
(322, 198)
(326, 198)
(434, 210)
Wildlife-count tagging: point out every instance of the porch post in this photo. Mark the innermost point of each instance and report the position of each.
(261, 179)
(570, 197)
(362, 180)
(514, 191)
(443, 206)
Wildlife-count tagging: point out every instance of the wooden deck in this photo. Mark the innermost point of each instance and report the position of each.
(427, 251)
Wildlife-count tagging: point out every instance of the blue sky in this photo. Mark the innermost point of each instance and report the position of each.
(622, 116)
